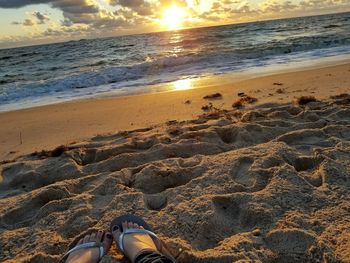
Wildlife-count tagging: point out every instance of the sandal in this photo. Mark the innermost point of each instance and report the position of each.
(161, 248)
(88, 245)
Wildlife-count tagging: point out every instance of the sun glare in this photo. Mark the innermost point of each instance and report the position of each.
(183, 84)
(173, 17)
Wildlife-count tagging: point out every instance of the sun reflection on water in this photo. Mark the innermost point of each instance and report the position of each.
(183, 84)
(176, 37)
(176, 40)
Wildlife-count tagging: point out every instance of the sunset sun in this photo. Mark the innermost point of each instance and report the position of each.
(173, 17)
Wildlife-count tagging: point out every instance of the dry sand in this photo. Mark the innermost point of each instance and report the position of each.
(266, 183)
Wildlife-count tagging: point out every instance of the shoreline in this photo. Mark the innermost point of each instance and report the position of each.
(46, 127)
(199, 81)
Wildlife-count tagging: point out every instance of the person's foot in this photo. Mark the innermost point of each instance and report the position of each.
(91, 255)
(134, 243)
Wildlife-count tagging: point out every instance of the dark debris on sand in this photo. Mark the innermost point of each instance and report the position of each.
(243, 101)
(57, 152)
(213, 113)
(280, 91)
(303, 100)
(341, 99)
(213, 96)
(208, 107)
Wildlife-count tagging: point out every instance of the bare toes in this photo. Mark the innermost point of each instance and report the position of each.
(124, 225)
(116, 232)
(99, 235)
(80, 241)
(86, 239)
(107, 241)
(92, 237)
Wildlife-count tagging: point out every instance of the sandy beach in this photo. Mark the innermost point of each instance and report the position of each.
(47, 127)
(264, 181)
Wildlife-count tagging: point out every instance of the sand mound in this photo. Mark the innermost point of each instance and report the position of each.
(265, 185)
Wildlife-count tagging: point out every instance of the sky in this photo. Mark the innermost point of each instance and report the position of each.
(29, 22)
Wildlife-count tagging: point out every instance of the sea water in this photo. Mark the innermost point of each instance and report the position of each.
(45, 74)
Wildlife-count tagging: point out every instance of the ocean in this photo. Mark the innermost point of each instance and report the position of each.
(52, 73)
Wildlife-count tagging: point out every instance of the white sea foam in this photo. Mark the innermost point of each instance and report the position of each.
(58, 72)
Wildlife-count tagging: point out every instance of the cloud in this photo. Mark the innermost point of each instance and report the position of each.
(274, 7)
(77, 11)
(36, 18)
(141, 7)
(317, 4)
(278, 6)
(40, 17)
(66, 22)
(92, 18)
(201, 6)
(76, 6)
(21, 3)
(28, 22)
(90, 13)
(128, 3)
(130, 12)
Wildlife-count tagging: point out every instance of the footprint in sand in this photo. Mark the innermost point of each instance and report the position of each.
(236, 213)
(155, 202)
(288, 244)
(158, 177)
(43, 203)
(228, 135)
(306, 163)
(240, 172)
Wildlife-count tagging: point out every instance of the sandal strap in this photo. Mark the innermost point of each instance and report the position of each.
(140, 231)
(86, 246)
